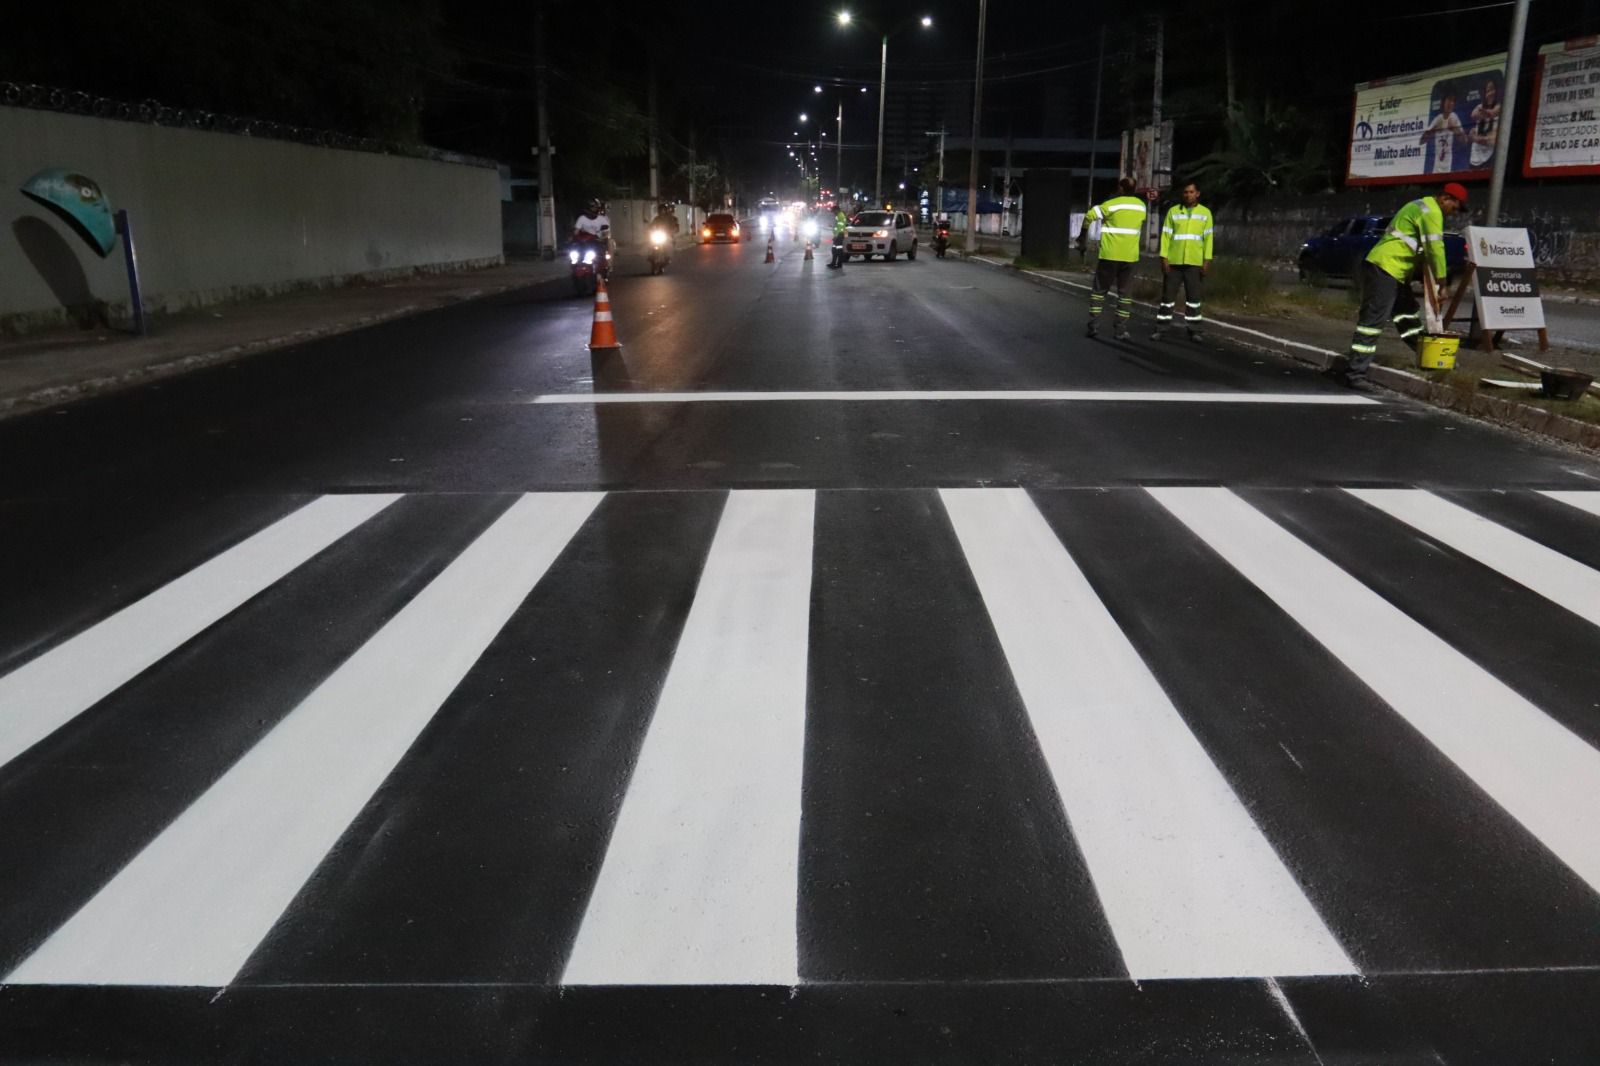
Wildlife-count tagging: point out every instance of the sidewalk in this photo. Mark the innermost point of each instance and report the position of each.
(54, 366)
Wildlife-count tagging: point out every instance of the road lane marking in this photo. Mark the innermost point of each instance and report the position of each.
(45, 693)
(1559, 578)
(1189, 885)
(700, 883)
(194, 904)
(1029, 395)
(1541, 773)
(1582, 499)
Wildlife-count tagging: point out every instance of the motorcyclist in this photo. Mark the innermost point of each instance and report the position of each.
(593, 225)
(666, 218)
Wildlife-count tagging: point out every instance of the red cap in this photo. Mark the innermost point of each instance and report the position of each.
(1457, 190)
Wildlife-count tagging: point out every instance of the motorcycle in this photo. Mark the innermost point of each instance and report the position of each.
(590, 257)
(660, 249)
(941, 239)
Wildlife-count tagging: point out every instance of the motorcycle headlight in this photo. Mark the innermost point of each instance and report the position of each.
(811, 229)
(658, 237)
(588, 257)
(572, 256)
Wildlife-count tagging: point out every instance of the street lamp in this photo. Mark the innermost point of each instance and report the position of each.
(802, 117)
(846, 19)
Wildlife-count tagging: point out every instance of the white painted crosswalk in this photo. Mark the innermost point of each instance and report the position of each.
(705, 878)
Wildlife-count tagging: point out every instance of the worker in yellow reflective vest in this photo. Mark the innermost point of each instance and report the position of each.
(1120, 218)
(1415, 237)
(1185, 258)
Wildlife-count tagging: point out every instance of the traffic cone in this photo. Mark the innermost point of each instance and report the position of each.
(809, 256)
(603, 335)
(770, 257)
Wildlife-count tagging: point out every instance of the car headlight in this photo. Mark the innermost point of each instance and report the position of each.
(736, 230)
(588, 257)
(706, 232)
(881, 233)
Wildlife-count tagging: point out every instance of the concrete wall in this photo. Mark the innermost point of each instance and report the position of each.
(219, 216)
(1562, 218)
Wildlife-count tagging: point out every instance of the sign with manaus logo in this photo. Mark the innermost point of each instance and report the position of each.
(1503, 280)
(1442, 123)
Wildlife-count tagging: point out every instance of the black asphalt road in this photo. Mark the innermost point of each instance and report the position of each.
(947, 905)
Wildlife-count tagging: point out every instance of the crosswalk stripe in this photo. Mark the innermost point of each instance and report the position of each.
(1189, 885)
(45, 693)
(1582, 499)
(1537, 770)
(193, 905)
(1558, 578)
(699, 884)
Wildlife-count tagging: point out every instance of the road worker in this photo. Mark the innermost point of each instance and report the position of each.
(1185, 259)
(1120, 219)
(1415, 237)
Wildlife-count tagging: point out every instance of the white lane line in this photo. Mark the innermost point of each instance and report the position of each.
(191, 907)
(700, 882)
(1189, 885)
(1010, 395)
(45, 693)
(1541, 773)
(1582, 499)
(1559, 578)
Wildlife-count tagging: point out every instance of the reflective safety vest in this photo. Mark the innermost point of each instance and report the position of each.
(840, 224)
(1417, 230)
(1186, 237)
(1120, 218)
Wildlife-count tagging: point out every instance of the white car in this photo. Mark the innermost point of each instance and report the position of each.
(885, 233)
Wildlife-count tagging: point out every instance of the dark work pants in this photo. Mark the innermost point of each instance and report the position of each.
(1383, 298)
(1193, 283)
(1109, 272)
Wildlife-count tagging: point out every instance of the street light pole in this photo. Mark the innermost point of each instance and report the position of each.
(883, 85)
(1497, 182)
(977, 114)
(838, 153)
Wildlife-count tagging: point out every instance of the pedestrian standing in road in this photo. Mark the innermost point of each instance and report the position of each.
(1120, 219)
(1415, 237)
(841, 223)
(1185, 259)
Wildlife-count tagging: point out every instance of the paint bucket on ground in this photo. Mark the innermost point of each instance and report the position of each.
(1438, 351)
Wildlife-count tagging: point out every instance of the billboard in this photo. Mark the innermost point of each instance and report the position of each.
(1442, 123)
(1564, 115)
(1143, 160)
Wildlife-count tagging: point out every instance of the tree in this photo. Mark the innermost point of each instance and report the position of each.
(1265, 148)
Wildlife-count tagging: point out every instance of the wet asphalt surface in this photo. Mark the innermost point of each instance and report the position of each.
(947, 903)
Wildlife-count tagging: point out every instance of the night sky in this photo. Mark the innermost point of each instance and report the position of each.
(734, 75)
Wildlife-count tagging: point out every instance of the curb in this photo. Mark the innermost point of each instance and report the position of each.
(1491, 409)
(50, 395)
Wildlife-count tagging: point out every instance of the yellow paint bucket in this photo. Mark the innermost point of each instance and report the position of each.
(1438, 351)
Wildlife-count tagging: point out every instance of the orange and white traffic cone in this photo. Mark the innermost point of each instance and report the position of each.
(770, 257)
(603, 335)
(809, 256)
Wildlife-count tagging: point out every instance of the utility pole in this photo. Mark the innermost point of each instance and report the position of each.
(655, 173)
(883, 89)
(547, 198)
(1094, 130)
(692, 201)
(1152, 231)
(1497, 184)
(838, 153)
(938, 191)
(977, 115)
(1227, 56)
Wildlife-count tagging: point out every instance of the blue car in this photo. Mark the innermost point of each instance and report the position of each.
(1340, 250)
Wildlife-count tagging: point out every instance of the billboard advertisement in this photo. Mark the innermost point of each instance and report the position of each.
(1442, 123)
(1564, 115)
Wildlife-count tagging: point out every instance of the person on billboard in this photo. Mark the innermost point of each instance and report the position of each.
(1486, 126)
(1415, 238)
(1446, 133)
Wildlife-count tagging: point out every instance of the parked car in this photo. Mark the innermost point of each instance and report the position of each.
(719, 228)
(1338, 251)
(885, 233)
